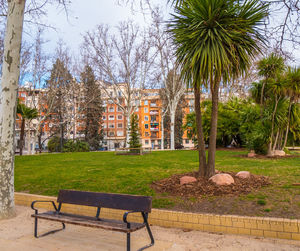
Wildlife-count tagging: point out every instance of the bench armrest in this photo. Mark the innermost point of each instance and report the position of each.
(126, 214)
(43, 201)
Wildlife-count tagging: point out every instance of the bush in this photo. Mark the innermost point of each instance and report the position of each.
(76, 146)
(258, 139)
(54, 144)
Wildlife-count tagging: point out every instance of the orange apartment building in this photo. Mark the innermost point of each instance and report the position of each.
(149, 111)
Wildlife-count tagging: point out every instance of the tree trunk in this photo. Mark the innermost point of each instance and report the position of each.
(8, 102)
(288, 126)
(61, 136)
(213, 131)
(270, 151)
(28, 139)
(22, 133)
(162, 132)
(262, 98)
(39, 135)
(172, 128)
(276, 138)
(200, 135)
(127, 130)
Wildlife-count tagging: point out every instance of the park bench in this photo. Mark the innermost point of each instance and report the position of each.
(130, 203)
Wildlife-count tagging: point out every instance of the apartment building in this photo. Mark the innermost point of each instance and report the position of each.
(147, 104)
(150, 119)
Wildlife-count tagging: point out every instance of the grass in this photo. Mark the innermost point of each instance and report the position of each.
(106, 172)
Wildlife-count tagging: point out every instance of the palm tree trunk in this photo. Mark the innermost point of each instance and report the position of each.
(200, 135)
(272, 130)
(262, 98)
(276, 139)
(21, 143)
(213, 131)
(288, 126)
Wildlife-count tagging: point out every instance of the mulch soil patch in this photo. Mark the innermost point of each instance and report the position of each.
(202, 187)
(258, 156)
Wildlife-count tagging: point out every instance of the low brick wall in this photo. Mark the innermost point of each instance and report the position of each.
(231, 224)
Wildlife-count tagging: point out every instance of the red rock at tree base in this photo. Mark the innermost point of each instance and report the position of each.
(252, 154)
(187, 179)
(222, 179)
(243, 175)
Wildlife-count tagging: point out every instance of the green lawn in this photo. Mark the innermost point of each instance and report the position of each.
(106, 172)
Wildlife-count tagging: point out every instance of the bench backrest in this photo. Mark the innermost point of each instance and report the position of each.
(106, 200)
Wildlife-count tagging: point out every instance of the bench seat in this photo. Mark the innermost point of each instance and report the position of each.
(128, 203)
(88, 221)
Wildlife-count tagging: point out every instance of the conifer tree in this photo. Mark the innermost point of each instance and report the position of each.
(134, 139)
(57, 97)
(92, 108)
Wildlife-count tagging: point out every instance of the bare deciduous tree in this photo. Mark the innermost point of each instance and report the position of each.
(13, 12)
(8, 100)
(172, 87)
(122, 62)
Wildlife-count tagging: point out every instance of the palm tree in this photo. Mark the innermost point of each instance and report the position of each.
(26, 113)
(276, 90)
(293, 92)
(269, 68)
(215, 41)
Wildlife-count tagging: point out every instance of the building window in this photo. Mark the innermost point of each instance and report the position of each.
(111, 126)
(120, 133)
(120, 117)
(119, 109)
(187, 141)
(104, 117)
(146, 110)
(119, 93)
(146, 142)
(111, 109)
(146, 126)
(104, 126)
(146, 134)
(146, 118)
(191, 109)
(111, 134)
(146, 102)
(191, 102)
(111, 117)
(153, 118)
(120, 125)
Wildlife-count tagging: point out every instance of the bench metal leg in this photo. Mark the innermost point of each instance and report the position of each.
(128, 237)
(149, 233)
(50, 232)
(128, 241)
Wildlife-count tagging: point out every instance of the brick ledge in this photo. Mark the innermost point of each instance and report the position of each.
(231, 224)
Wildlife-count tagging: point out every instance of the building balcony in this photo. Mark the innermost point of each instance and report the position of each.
(153, 112)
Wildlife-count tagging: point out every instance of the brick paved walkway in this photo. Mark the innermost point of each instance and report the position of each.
(16, 234)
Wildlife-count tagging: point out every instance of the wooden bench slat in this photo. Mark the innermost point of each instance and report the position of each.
(108, 224)
(107, 200)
